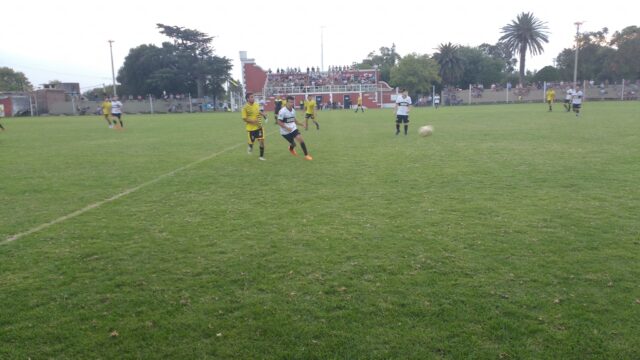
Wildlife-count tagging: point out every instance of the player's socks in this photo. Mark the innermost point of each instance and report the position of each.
(261, 151)
(397, 129)
(292, 150)
(317, 125)
(250, 149)
(406, 129)
(304, 148)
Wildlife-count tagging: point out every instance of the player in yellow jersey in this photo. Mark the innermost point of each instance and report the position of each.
(310, 113)
(106, 111)
(551, 97)
(359, 107)
(253, 116)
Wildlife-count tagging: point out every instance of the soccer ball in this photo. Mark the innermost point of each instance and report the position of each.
(425, 130)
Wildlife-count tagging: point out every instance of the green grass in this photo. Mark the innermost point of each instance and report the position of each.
(509, 233)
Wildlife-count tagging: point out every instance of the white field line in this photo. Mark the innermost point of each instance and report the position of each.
(113, 198)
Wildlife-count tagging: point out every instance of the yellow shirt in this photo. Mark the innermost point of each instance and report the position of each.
(252, 112)
(106, 108)
(359, 101)
(551, 95)
(310, 106)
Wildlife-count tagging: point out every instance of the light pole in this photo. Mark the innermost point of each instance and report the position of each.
(113, 73)
(575, 64)
(322, 47)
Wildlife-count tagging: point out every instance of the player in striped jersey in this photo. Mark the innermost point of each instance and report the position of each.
(289, 128)
(403, 103)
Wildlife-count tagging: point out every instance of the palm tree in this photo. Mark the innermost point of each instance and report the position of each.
(525, 33)
(450, 62)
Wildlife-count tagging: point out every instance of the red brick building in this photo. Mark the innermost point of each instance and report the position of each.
(338, 87)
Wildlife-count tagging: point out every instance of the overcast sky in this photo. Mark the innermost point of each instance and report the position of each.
(67, 41)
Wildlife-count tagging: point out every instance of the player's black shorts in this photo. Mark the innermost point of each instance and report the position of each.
(566, 101)
(117, 115)
(576, 106)
(255, 135)
(292, 135)
(309, 116)
(402, 119)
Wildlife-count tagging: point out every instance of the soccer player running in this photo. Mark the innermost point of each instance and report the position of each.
(551, 97)
(567, 99)
(359, 107)
(436, 101)
(576, 101)
(106, 111)
(116, 111)
(310, 113)
(403, 102)
(278, 105)
(252, 115)
(288, 129)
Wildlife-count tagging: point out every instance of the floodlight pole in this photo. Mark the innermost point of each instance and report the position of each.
(113, 73)
(575, 64)
(322, 48)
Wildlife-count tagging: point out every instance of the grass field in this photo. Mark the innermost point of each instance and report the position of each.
(511, 233)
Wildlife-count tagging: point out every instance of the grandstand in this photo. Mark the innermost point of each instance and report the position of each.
(338, 87)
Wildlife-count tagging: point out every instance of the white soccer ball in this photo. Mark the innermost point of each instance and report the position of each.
(425, 130)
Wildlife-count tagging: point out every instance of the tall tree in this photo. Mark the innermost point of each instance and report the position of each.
(628, 33)
(185, 65)
(547, 73)
(625, 62)
(525, 34)
(11, 80)
(451, 64)
(145, 68)
(479, 68)
(417, 73)
(384, 61)
(196, 54)
(502, 52)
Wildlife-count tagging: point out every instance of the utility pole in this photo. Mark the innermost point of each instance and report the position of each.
(575, 65)
(113, 73)
(322, 48)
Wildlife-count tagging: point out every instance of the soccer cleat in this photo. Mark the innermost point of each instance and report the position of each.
(293, 152)
(308, 157)
(397, 132)
(261, 158)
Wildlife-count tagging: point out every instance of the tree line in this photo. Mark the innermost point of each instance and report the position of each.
(601, 58)
(187, 63)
